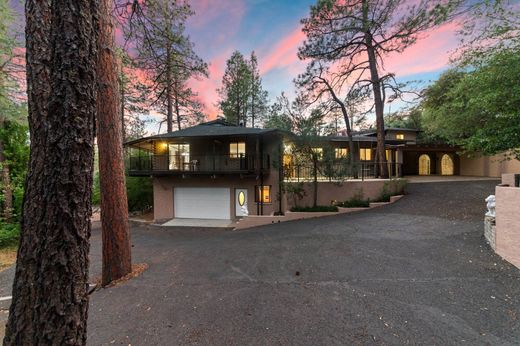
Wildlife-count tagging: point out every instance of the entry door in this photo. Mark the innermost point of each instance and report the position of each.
(241, 203)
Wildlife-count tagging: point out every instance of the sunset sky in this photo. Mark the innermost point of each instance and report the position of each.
(272, 29)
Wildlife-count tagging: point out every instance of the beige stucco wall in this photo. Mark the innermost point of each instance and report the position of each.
(508, 224)
(488, 166)
(328, 191)
(163, 188)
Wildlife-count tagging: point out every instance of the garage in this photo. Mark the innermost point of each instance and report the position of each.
(202, 203)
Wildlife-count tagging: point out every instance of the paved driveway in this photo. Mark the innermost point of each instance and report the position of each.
(416, 272)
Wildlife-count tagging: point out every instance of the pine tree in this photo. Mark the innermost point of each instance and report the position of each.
(358, 35)
(50, 299)
(166, 54)
(258, 96)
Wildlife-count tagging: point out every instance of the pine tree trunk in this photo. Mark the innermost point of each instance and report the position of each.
(378, 99)
(177, 110)
(50, 300)
(169, 103)
(114, 206)
(378, 102)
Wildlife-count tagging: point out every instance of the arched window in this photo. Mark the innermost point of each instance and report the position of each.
(447, 165)
(424, 164)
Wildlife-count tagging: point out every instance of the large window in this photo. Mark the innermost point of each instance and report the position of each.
(341, 153)
(237, 149)
(318, 152)
(365, 154)
(179, 156)
(263, 194)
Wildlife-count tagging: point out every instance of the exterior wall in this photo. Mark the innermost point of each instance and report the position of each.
(328, 192)
(488, 166)
(164, 189)
(409, 136)
(507, 235)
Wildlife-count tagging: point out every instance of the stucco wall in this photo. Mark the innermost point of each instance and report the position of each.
(507, 235)
(163, 188)
(328, 191)
(488, 166)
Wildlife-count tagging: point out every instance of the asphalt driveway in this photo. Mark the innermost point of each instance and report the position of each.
(416, 272)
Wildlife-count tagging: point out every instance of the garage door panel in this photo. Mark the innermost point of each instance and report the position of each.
(202, 203)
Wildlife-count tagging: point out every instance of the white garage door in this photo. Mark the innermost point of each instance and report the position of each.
(201, 202)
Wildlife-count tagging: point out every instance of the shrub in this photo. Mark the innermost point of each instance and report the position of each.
(140, 193)
(317, 209)
(357, 201)
(391, 188)
(9, 234)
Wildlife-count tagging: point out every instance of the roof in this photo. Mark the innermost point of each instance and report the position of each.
(368, 132)
(218, 127)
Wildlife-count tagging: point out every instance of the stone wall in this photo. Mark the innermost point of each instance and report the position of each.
(489, 231)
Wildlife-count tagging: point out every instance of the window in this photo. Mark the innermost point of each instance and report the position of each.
(399, 136)
(341, 153)
(365, 154)
(318, 152)
(179, 156)
(388, 155)
(237, 149)
(263, 194)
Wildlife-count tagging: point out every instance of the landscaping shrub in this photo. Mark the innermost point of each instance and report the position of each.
(9, 234)
(393, 187)
(140, 193)
(357, 201)
(317, 209)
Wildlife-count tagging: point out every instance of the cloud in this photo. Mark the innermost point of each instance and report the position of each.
(430, 53)
(283, 54)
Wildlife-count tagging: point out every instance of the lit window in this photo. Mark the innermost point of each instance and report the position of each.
(263, 194)
(388, 154)
(365, 154)
(399, 136)
(237, 149)
(179, 156)
(318, 152)
(341, 153)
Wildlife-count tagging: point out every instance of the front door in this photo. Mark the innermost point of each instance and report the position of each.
(241, 203)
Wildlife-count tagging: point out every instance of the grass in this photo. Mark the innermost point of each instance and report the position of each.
(317, 209)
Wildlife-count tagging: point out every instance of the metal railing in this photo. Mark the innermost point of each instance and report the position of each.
(339, 171)
(196, 163)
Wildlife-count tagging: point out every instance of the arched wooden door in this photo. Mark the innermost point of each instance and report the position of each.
(447, 165)
(424, 164)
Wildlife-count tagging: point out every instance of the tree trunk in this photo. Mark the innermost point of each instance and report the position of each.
(7, 189)
(378, 99)
(177, 110)
(122, 101)
(114, 206)
(169, 103)
(315, 181)
(50, 300)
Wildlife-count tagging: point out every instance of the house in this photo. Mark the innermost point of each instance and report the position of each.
(216, 170)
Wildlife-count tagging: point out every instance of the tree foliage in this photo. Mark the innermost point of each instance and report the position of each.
(357, 36)
(242, 97)
(167, 55)
(478, 109)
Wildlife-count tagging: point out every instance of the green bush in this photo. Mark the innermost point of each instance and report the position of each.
(393, 187)
(357, 201)
(9, 234)
(317, 209)
(140, 193)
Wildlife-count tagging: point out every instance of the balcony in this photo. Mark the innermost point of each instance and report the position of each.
(196, 165)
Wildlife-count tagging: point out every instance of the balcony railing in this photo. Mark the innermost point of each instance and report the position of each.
(171, 164)
(339, 171)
